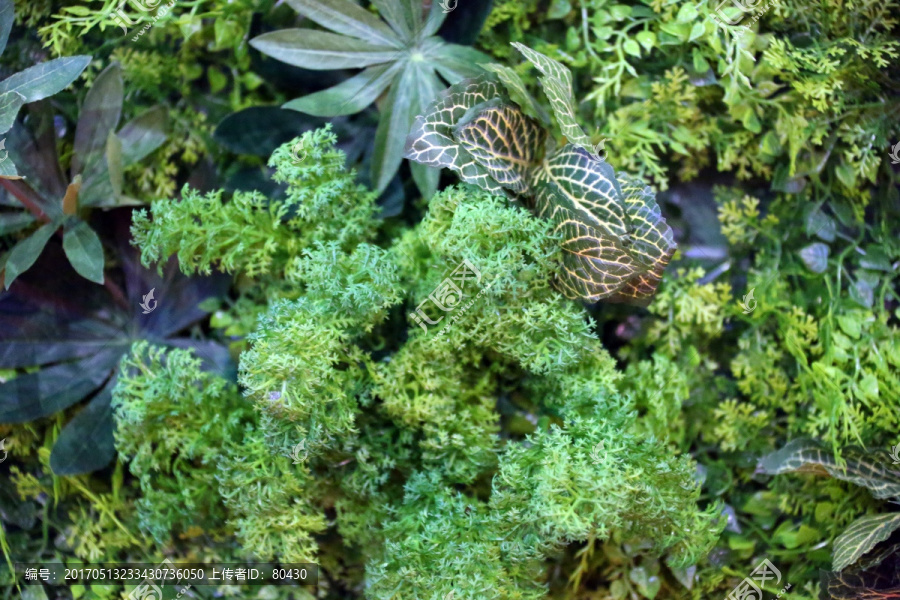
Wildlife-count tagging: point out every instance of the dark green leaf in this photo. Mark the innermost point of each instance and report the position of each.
(23, 254)
(348, 18)
(143, 134)
(861, 536)
(86, 443)
(821, 225)
(14, 221)
(35, 395)
(515, 87)
(455, 63)
(320, 50)
(84, 250)
(99, 117)
(261, 129)
(350, 96)
(426, 179)
(45, 79)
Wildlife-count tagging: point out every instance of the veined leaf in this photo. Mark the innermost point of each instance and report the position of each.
(807, 456)
(320, 50)
(348, 18)
(504, 141)
(557, 84)
(431, 140)
(516, 89)
(861, 536)
(616, 243)
(7, 16)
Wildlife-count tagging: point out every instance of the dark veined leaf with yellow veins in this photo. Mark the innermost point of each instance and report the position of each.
(615, 242)
(861, 536)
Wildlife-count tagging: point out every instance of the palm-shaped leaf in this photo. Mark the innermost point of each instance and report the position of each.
(404, 58)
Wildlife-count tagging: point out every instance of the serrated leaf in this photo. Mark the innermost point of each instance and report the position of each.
(557, 84)
(815, 257)
(321, 50)
(23, 254)
(861, 536)
(84, 251)
(348, 18)
(43, 80)
(807, 456)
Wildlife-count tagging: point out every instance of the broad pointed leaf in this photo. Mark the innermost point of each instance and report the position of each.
(23, 254)
(431, 140)
(350, 96)
(143, 134)
(426, 179)
(557, 84)
(504, 141)
(84, 251)
(45, 79)
(807, 456)
(321, 50)
(348, 18)
(861, 536)
(99, 116)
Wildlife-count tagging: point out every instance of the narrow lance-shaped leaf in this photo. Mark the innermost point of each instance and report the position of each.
(320, 50)
(348, 18)
(84, 251)
(350, 96)
(86, 443)
(7, 16)
(861, 536)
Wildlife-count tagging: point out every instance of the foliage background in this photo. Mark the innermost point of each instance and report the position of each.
(770, 153)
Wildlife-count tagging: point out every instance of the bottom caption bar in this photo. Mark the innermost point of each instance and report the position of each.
(167, 573)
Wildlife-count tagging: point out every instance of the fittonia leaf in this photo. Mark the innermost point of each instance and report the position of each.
(615, 242)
